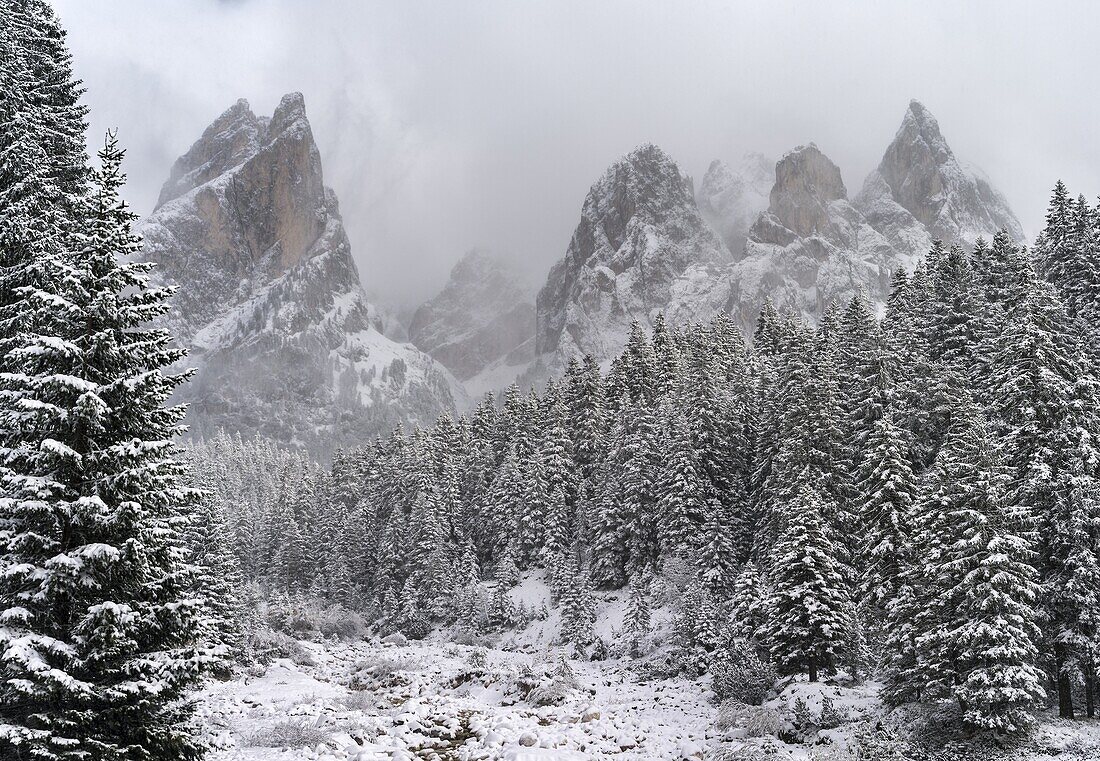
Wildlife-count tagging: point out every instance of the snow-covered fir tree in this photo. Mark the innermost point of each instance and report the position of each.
(102, 639)
(977, 636)
(809, 605)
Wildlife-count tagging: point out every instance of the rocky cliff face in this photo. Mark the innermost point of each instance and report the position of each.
(811, 246)
(270, 304)
(481, 324)
(641, 247)
(921, 192)
(730, 199)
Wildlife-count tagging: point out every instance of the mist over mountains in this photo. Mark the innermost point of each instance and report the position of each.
(288, 344)
(434, 148)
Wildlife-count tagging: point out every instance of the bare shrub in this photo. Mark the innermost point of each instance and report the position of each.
(267, 645)
(757, 721)
(740, 674)
(289, 734)
(375, 669)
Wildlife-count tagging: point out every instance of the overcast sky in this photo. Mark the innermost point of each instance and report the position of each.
(449, 125)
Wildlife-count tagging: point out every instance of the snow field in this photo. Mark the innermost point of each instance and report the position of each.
(366, 701)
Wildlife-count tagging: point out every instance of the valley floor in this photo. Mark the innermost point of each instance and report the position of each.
(368, 700)
(372, 701)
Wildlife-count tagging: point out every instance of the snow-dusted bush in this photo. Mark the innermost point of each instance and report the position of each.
(554, 692)
(463, 636)
(661, 666)
(834, 753)
(478, 658)
(880, 743)
(289, 734)
(338, 621)
(740, 674)
(800, 714)
(415, 625)
(668, 587)
(831, 716)
(757, 721)
(265, 645)
(527, 679)
(768, 750)
(375, 668)
(302, 617)
(360, 700)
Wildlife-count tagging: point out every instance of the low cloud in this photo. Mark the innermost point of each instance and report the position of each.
(445, 126)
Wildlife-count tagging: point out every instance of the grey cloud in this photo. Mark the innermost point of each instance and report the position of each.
(445, 126)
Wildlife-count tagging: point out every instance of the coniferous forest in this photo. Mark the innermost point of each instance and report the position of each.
(912, 497)
(905, 496)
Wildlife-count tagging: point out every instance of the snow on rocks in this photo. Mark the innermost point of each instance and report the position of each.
(640, 233)
(425, 700)
(366, 701)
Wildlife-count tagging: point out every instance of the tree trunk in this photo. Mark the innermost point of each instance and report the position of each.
(1065, 691)
(1090, 692)
(813, 669)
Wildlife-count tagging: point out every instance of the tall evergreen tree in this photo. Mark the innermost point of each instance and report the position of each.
(888, 490)
(637, 623)
(100, 640)
(809, 603)
(977, 637)
(682, 504)
(1045, 399)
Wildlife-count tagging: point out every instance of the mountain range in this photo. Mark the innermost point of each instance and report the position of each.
(287, 344)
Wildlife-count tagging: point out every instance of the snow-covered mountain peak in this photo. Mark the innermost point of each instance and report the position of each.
(479, 265)
(806, 182)
(920, 191)
(481, 324)
(269, 302)
(646, 181)
(919, 120)
(641, 246)
(232, 138)
(730, 198)
(289, 114)
(811, 246)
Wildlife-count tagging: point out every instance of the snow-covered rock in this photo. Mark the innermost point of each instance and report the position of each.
(270, 304)
(921, 192)
(641, 247)
(811, 246)
(730, 199)
(483, 316)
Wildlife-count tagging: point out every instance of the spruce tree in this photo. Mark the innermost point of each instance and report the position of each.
(807, 614)
(977, 635)
(607, 534)
(683, 500)
(1045, 399)
(637, 457)
(100, 640)
(578, 609)
(1066, 252)
(637, 623)
(217, 575)
(667, 359)
(887, 493)
(748, 606)
(716, 558)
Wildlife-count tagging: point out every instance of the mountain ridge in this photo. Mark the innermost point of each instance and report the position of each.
(270, 303)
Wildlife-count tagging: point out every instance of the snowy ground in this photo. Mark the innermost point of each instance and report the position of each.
(366, 701)
(372, 701)
(360, 701)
